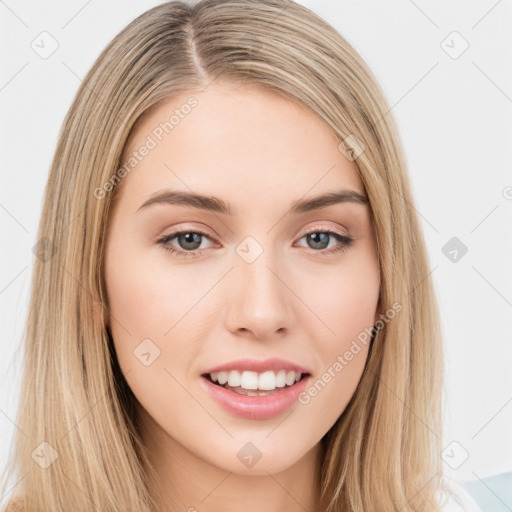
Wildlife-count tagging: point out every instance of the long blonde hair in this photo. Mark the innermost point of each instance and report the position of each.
(383, 452)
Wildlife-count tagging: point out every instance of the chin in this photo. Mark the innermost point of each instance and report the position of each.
(258, 455)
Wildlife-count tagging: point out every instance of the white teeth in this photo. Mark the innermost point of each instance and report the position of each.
(281, 378)
(234, 379)
(222, 377)
(267, 381)
(251, 380)
(290, 378)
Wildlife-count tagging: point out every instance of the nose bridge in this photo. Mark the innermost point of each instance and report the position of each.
(260, 301)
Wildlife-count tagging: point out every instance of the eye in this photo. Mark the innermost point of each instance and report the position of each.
(190, 241)
(320, 239)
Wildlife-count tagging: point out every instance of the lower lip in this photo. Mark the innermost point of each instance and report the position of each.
(255, 407)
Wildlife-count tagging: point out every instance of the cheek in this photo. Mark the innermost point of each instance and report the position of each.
(351, 308)
(144, 296)
(344, 302)
(343, 299)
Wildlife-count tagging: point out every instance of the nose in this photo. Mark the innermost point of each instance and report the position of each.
(260, 299)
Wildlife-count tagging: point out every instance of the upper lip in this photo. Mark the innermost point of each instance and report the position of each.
(259, 365)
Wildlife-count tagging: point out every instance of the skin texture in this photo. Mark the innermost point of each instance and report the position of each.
(258, 152)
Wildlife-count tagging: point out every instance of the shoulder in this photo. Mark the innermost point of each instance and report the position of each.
(456, 499)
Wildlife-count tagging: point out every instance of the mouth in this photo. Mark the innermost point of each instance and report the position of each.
(265, 385)
(256, 396)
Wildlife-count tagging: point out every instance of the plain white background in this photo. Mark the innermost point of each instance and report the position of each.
(454, 108)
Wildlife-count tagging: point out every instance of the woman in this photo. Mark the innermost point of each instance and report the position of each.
(234, 307)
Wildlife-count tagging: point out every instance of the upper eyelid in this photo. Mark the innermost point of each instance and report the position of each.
(326, 228)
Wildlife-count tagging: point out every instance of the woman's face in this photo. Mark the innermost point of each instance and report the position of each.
(254, 277)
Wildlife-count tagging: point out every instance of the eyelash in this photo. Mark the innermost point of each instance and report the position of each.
(344, 241)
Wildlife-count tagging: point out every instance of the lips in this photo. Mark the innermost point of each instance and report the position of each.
(259, 366)
(261, 405)
(255, 407)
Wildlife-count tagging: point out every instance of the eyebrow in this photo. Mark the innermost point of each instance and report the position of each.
(217, 205)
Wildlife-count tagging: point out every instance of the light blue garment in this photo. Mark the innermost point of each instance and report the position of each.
(492, 493)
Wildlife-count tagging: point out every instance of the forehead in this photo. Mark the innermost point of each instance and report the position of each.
(241, 139)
